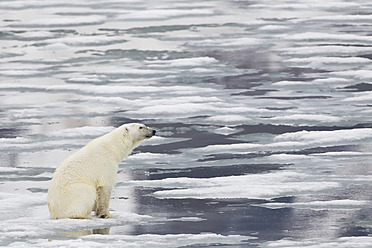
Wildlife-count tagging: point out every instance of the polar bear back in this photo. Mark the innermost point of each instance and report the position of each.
(95, 164)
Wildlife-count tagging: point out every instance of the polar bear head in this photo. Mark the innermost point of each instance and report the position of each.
(137, 132)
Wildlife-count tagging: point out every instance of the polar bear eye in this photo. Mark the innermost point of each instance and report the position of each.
(140, 127)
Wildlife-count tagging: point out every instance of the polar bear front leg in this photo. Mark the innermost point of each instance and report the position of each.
(103, 202)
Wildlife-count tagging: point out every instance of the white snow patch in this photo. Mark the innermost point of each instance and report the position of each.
(318, 36)
(226, 130)
(334, 63)
(226, 42)
(236, 148)
(228, 118)
(308, 117)
(357, 74)
(85, 40)
(344, 242)
(331, 204)
(148, 240)
(359, 97)
(159, 13)
(273, 28)
(186, 62)
(330, 50)
(64, 21)
(111, 89)
(36, 34)
(146, 156)
(256, 186)
(321, 137)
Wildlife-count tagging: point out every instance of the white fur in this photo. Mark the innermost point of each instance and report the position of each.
(84, 181)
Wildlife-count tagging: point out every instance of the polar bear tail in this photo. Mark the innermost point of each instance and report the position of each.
(77, 202)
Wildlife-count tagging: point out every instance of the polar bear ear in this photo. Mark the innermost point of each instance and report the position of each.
(126, 130)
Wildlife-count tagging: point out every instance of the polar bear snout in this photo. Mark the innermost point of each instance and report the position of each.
(150, 132)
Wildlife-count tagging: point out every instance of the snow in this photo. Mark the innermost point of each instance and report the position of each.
(201, 61)
(225, 42)
(344, 242)
(155, 14)
(321, 205)
(64, 21)
(329, 37)
(318, 117)
(321, 62)
(324, 137)
(264, 186)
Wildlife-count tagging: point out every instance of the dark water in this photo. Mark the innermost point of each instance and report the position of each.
(262, 112)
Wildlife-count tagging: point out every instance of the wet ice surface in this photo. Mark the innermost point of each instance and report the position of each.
(262, 109)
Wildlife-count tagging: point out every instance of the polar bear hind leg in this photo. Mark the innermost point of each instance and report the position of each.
(78, 203)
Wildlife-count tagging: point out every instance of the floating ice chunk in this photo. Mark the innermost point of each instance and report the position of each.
(36, 34)
(165, 13)
(328, 62)
(187, 62)
(228, 119)
(345, 242)
(330, 50)
(226, 42)
(110, 89)
(337, 18)
(21, 72)
(226, 130)
(85, 40)
(291, 83)
(320, 137)
(256, 186)
(90, 79)
(146, 156)
(10, 169)
(331, 80)
(318, 36)
(16, 140)
(332, 5)
(357, 74)
(273, 28)
(58, 46)
(360, 96)
(189, 219)
(158, 140)
(236, 148)
(63, 21)
(340, 154)
(332, 204)
(150, 240)
(287, 157)
(309, 117)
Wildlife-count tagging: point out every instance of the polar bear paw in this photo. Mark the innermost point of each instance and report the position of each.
(105, 215)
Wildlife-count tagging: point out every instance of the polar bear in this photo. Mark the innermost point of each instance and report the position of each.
(83, 182)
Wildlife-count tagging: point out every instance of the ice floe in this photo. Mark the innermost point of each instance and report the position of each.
(324, 137)
(320, 205)
(343, 242)
(263, 186)
(63, 21)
